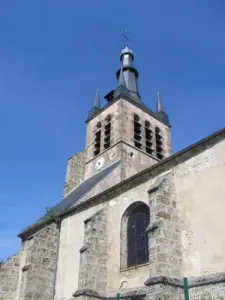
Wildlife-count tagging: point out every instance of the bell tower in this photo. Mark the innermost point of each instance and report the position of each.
(125, 129)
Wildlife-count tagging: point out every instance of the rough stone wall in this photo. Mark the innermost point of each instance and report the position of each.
(122, 130)
(93, 254)
(110, 156)
(75, 171)
(174, 207)
(164, 292)
(133, 161)
(9, 277)
(129, 110)
(208, 292)
(164, 231)
(115, 112)
(71, 241)
(39, 270)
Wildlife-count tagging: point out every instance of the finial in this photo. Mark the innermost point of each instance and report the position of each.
(97, 99)
(159, 103)
(122, 81)
(125, 35)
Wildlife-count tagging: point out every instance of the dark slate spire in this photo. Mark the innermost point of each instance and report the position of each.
(160, 109)
(96, 107)
(129, 74)
(121, 81)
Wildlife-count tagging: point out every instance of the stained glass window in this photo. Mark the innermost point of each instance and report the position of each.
(137, 241)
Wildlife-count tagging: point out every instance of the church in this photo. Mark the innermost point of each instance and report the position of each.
(135, 219)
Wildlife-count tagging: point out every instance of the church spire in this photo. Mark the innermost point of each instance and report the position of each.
(97, 100)
(121, 81)
(96, 107)
(127, 76)
(160, 107)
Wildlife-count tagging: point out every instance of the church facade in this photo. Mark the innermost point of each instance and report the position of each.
(135, 219)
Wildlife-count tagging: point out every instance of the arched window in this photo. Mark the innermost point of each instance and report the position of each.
(137, 131)
(158, 141)
(97, 143)
(137, 240)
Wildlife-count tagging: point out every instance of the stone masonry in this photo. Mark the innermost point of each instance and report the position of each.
(38, 274)
(93, 254)
(164, 234)
(30, 274)
(9, 276)
(75, 171)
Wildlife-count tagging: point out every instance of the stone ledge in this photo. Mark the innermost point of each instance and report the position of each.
(206, 279)
(89, 293)
(193, 281)
(174, 281)
(131, 294)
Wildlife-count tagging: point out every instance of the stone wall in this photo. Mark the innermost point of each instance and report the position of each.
(71, 241)
(179, 193)
(38, 273)
(122, 130)
(165, 288)
(201, 198)
(93, 254)
(9, 277)
(75, 171)
(128, 114)
(116, 134)
(208, 292)
(164, 231)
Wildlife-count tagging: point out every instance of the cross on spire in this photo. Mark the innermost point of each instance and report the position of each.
(125, 35)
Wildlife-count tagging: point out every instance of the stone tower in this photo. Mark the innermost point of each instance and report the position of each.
(125, 129)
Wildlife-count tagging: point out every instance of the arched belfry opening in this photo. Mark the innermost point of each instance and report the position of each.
(134, 239)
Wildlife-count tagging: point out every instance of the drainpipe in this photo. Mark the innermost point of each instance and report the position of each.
(186, 292)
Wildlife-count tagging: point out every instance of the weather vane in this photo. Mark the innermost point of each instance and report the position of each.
(125, 35)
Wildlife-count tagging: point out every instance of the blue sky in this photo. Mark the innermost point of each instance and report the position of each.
(53, 56)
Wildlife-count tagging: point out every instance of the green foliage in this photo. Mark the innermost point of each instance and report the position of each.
(1, 262)
(51, 216)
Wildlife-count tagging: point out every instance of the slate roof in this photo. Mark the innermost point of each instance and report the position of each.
(76, 194)
(83, 188)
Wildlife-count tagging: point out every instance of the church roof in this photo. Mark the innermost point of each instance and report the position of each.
(77, 193)
(83, 188)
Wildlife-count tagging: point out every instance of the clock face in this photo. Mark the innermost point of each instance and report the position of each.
(99, 163)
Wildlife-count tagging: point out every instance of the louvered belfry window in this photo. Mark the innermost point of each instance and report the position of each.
(137, 240)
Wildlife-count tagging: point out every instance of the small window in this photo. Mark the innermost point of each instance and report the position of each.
(159, 143)
(137, 131)
(148, 138)
(137, 240)
(97, 141)
(107, 133)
